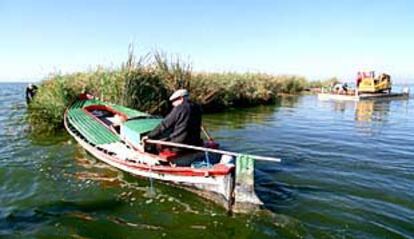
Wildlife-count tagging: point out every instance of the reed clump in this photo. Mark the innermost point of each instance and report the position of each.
(145, 83)
(323, 83)
(220, 90)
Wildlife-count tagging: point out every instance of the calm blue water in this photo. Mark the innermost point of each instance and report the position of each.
(347, 172)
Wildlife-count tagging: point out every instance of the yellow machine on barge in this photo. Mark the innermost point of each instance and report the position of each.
(367, 86)
(368, 83)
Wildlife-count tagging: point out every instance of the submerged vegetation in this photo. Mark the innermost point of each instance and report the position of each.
(145, 83)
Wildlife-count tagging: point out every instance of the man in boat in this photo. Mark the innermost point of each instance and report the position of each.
(30, 92)
(182, 124)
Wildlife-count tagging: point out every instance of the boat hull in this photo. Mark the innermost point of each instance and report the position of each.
(339, 97)
(216, 184)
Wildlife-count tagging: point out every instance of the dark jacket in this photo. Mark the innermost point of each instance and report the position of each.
(30, 93)
(184, 123)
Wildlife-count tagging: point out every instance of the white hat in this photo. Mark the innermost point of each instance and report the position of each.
(179, 93)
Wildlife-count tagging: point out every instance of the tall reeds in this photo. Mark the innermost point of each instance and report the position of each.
(323, 83)
(145, 83)
(220, 90)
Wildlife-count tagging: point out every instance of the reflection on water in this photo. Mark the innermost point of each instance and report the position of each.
(370, 116)
(347, 172)
(372, 110)
(236, 118)
(240, 118)
(341, 106)
(289, 101)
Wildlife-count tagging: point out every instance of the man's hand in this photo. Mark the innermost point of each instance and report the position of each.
(144, 139)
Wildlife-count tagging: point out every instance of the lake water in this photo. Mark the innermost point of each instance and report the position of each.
(347, 172)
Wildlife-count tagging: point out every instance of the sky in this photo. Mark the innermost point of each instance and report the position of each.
(317, 39)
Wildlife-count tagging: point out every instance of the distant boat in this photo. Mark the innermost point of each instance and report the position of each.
(112, 133)
(353, 97)
(367, 87)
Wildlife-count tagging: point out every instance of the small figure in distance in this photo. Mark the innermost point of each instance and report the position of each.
(31, 91)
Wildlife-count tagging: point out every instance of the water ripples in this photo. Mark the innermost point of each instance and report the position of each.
(345, 162)
(347, 171)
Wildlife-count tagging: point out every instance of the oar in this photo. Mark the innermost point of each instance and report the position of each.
(206, 133)
(186, 146)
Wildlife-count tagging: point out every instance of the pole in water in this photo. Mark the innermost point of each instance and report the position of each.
(244, 189)
(151, 191)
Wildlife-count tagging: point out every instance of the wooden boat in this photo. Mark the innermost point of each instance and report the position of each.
(359, 97)
(368, 87)
(112, 133)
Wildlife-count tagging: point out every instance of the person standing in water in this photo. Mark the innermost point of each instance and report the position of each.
(31, 91)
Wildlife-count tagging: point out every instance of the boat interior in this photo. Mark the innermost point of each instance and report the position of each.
(167, 155)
